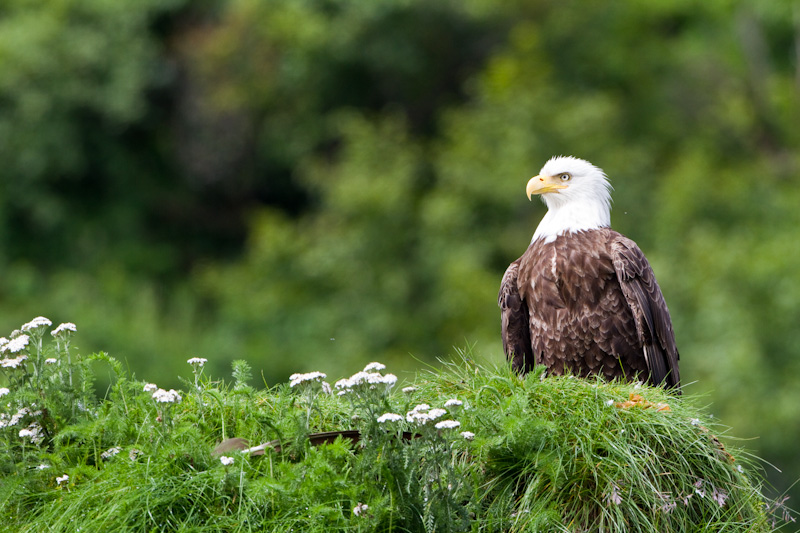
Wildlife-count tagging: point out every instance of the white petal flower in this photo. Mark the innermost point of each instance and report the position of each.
(14, 420)
(389, 417)
(150, 387)
(43, 466)
(13, 362)
(37, 322)
(343, 384)
(373, 378)
(297, 379)
(358, 379)
(64, 329)
(436, 413)
(374, 366)
(360, 509)
(409, 390)
(50, 361)
(199, 361)
(33, 432)
(62, 479)
(448, 424)
(170, 396)
(453, 403)
(415, 417)
(226, 461)
(468, 435)
(17, 344)
(111, 452)
(4, 391)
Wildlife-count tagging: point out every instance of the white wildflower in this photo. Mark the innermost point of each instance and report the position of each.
(409, 390)
(359, 378)
(360, 509)
(453, 403)
(17, 344)
(64, 329)
(695, 421)
(150, 387)
(422, 414)
(50, 361)
(366, 380)
(199, 361)
(448, 424)
(468, 435)
(111, 452)
(609, 402)
(4, 391)
(297, 379)
(740, 469)
(37, 322)
(33, 432)
(326, 388)
(436, 413)
(14, 420)
(13, 362)
(62, 479)
(374, 366)
(43, 467)
(226, 461)
(170, 396)
(389, 417)
(343, 383)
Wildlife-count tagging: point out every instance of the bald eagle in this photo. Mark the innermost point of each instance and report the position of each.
(583, 298)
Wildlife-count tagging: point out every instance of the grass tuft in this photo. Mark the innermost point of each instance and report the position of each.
(509, 454)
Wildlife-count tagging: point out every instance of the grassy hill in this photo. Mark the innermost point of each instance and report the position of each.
(464, 448)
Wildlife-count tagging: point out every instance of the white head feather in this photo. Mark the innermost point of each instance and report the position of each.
(584, 204)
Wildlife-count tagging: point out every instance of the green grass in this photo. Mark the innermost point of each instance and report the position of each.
(548, 454)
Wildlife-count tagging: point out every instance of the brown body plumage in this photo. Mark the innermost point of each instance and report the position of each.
(587, 302)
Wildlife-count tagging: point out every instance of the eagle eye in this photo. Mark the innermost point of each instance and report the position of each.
(565, 176)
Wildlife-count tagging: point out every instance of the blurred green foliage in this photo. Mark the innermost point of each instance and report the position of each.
(312, 184)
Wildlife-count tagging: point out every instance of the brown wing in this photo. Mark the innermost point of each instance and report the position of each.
(653, 323)
(514, 317)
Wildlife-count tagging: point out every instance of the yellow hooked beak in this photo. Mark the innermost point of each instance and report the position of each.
(543, 184)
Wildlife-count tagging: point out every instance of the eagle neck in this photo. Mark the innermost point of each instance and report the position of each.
(571, 218)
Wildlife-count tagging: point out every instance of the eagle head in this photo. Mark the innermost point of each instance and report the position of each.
(577, 195)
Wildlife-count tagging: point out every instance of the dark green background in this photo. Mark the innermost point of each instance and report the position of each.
(312, 185)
